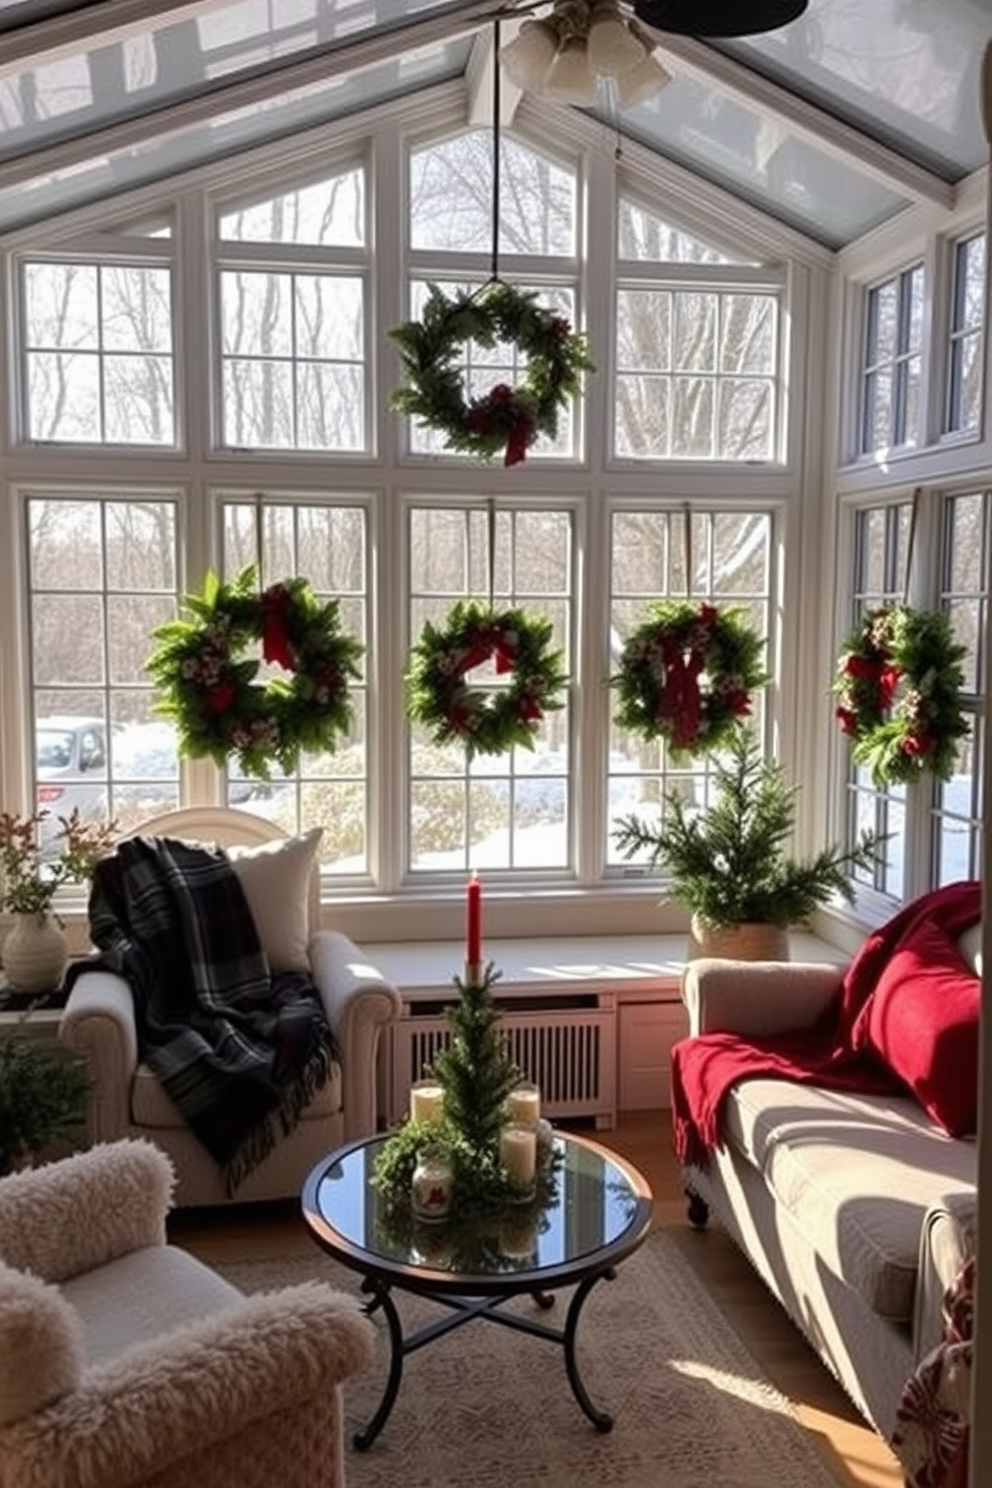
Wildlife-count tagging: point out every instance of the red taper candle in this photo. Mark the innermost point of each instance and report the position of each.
(473, 922)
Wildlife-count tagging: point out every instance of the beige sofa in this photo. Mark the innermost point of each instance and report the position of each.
(856, 1210)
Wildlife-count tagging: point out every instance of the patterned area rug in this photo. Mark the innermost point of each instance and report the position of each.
(485, 1406)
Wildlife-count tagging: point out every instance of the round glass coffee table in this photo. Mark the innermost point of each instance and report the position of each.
(593, 1213)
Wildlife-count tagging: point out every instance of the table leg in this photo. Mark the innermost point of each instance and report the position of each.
(602, 1420)
(366, 1435)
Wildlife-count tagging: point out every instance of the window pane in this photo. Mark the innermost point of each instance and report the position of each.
(330, 212)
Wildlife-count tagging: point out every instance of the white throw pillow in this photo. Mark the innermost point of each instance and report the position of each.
(276, 881)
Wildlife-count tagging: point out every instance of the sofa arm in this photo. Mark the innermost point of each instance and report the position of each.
(180, 1395)
(73, 1215)
(757, 998)
(947, 1239)
(359, 1002)
(97, 1023)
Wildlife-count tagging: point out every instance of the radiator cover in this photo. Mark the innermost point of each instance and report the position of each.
(566, 1045)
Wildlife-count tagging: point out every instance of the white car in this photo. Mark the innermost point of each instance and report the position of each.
(70, 769)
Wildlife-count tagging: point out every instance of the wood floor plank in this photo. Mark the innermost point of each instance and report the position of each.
(858, 1456)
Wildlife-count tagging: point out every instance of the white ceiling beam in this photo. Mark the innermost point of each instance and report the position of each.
(230, 94)
(814, 124)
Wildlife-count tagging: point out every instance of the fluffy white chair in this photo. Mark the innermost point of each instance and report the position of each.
(280, 877)
(127, 1363)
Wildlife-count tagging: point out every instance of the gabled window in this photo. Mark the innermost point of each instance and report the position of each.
(98, 353)
(292, 300)
(697, 348)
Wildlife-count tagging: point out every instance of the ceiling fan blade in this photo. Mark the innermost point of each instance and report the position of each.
(718, 17)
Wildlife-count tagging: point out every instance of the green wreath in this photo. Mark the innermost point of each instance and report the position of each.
(211, 694)
(506, 419)
(898, 684)
(686, 676)
(486, 722)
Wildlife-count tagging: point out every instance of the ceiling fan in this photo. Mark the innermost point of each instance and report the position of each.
(718, 17)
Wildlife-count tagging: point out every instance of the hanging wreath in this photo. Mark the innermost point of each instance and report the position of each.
(686, 676)
(898, 683)
(507, 419)
(485, 721)
(206, 686)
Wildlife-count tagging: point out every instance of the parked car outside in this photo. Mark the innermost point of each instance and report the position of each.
(70, 770)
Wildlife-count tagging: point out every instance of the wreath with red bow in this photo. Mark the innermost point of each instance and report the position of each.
(486, 721)
(210, 691)
(686, 676)
(898, 684)
(505, 419)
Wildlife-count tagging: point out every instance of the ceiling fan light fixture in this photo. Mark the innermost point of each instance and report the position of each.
(612, 47)
(642, 82)
(571, 79)
(528, 57)
(718, 17)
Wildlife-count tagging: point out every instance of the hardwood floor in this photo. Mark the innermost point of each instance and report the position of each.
(856, 1454)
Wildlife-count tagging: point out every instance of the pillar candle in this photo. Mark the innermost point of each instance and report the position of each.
(473, 922)
(426, 1101)
(518, 1155)
(523, 1105)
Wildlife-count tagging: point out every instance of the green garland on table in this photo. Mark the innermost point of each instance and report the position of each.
(506, 419)
(686, 676)
(898, 683)
(486, 722)
(210, 691)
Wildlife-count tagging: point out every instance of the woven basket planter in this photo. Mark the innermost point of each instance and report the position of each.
(748, 942)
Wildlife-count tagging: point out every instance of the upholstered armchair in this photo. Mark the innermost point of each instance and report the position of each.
(280, 878)
(127, 1363)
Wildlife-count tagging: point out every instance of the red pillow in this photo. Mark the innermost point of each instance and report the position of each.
(923, 1024)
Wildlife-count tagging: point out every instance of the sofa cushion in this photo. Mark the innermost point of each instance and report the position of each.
(856, 1172)
(275, 878)
(151, 1107)
(922, 1024)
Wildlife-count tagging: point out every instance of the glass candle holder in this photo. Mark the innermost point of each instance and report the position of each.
(430, 1195)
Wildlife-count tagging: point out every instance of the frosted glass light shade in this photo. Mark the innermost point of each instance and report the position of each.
(571, 78)
(528, 57)
(642, 82)
(612, 48)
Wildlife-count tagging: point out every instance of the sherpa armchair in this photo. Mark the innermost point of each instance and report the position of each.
(127, 1363)
(280, 878)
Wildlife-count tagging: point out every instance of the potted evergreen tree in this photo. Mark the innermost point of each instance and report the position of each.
(729, 863)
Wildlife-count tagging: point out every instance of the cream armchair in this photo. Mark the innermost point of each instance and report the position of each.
(281, 881)
(127, 1363)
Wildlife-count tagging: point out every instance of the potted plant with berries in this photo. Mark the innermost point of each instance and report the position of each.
(34, 951)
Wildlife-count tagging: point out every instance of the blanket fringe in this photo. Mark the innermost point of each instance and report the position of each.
(261, 1141)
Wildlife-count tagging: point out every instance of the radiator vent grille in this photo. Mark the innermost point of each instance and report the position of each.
(570, 1055)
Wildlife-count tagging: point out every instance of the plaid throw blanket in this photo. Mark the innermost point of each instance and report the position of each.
(239, 1052)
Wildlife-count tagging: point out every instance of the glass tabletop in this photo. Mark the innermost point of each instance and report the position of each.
(591, 1208)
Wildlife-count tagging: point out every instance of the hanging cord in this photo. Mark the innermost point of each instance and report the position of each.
(497, 105)
(491, 514)
(914, 512)
(259, 537)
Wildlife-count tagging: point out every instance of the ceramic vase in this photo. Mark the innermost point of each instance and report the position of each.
(34, 953)
(750, 942)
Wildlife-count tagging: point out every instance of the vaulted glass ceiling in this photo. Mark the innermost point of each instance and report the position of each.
(833, 124)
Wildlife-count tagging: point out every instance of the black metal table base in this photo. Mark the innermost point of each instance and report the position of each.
(462, 1310)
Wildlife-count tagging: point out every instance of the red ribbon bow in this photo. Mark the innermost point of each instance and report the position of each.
(275, 629)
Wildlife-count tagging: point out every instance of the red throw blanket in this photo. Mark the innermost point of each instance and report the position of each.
(704, 1068)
